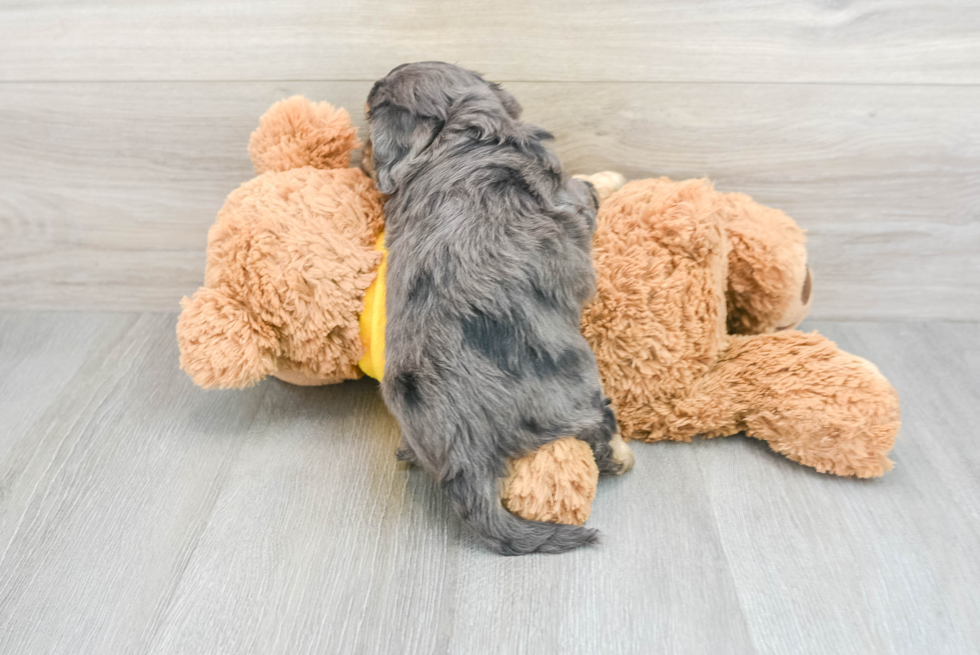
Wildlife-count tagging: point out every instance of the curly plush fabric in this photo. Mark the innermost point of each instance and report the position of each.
(289, 260)
(768, 279)
(657, 322)
(556, 483)
(668, 255)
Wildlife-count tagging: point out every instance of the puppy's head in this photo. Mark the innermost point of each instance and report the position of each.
(415, 103)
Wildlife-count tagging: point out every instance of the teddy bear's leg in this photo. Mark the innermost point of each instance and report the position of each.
(657, 322)
(769, 282)
(812, 402)
(658, 328)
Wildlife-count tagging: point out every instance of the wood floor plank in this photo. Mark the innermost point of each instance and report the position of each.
(895, 41)
(123, 470)
(42, 363)
(26, 386)
(107, 190)
(375, 561)
(901, 549)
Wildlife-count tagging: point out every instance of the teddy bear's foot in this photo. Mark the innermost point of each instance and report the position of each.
(556, 483)
(858, 443)
(852, 434)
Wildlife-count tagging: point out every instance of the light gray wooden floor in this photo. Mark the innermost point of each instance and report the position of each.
(139, 514)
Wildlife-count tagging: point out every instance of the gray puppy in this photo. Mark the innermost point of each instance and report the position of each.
(489, 267)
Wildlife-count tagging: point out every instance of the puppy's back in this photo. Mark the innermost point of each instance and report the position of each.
(488, 270)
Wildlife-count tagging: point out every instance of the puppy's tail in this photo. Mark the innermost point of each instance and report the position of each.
(476, 497)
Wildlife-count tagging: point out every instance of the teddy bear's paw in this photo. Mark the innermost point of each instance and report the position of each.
(866, 461)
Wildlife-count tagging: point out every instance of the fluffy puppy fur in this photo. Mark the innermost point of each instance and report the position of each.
(488, 270)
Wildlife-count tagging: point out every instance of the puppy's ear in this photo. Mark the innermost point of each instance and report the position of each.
(478, 112)
(397, 137)
(511, 105)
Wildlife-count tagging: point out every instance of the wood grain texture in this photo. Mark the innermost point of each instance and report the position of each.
(140, 514)
(107, 190)
(895, 41)
(100, 513)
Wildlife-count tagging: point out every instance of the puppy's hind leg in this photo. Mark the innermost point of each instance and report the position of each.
(406, 454)
(612, 454)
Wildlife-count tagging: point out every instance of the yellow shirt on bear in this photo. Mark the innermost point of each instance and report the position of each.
(372, 320)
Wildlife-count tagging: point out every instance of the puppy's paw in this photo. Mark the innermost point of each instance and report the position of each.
(622, 454)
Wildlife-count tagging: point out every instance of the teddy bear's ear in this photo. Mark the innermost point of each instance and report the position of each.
(296, 132)
(222, 345)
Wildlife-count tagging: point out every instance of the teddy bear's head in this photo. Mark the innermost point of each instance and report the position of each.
(289, 258)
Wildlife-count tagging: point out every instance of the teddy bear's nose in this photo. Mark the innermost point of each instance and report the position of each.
(807, 287)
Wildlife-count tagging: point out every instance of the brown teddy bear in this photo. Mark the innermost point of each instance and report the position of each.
(697, 297)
